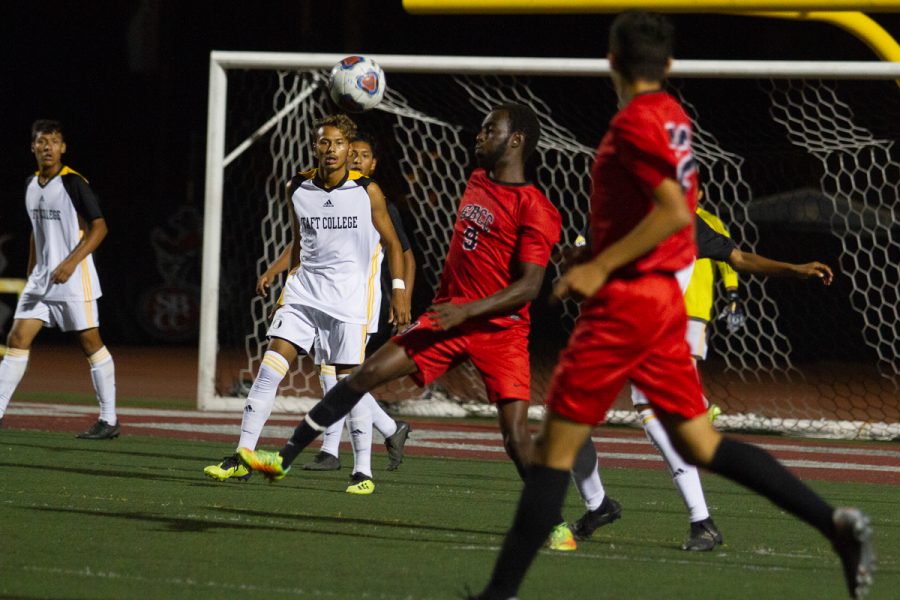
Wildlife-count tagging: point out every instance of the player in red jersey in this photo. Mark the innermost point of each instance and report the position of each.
(502, 240)
(633, 321)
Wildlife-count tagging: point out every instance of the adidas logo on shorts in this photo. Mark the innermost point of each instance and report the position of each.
(328, 204)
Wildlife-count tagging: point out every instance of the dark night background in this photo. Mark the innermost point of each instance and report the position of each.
(129, 81)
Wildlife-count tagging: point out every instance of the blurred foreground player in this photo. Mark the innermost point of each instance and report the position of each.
(632, 324)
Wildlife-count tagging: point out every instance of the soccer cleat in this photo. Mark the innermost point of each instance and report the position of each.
(608, 511)
(231, 467)
(704, 536)
(853, 544)
(267, 463)
(561, 539)
(101, 430)
(360, 484)
(323, 461)
(395, 445)
(713, 412)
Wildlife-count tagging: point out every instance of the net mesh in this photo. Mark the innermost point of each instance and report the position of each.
(790, 167)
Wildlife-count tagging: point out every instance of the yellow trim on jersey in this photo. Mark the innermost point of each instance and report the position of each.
(66, 171)
(698, 297)
(328, 370)
(370, 285)
(362, 346)
(351, 174)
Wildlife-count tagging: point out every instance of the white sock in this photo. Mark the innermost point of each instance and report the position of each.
(586, 475)
(686, 477)
(103, 374)
(12, 369)
(382, 421)
(359, 421)
(331, 438)
(261, 398)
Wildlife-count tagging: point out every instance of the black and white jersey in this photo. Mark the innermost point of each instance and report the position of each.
(339, 248)
(60, 211)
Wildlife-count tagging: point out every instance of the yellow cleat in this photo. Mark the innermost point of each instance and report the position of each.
(360, 484)
(713, 412)
(267, 463)
(230, 467)
(561, 539)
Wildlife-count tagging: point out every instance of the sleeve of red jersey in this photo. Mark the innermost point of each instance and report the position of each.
(539, 230)
(644, 151)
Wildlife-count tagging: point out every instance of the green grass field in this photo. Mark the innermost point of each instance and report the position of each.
(135, 518)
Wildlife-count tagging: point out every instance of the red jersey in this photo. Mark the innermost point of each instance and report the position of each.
(497, 226)
(648, 141)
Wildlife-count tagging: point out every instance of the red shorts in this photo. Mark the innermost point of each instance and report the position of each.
(633, 330)
(499, 354)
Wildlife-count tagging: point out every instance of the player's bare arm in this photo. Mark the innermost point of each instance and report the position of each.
(279, 265)
(96, 232)
(747, 262)
(400, 311)
(507, 301)
(671, 213)
(409, 272)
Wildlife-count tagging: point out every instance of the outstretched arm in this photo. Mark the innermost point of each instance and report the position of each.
(506, 301)
(747, 262)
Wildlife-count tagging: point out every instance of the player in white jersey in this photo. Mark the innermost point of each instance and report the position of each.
(338, 223)
(367, 413)
(62, 287)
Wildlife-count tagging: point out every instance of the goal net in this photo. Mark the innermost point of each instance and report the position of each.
(798, 160)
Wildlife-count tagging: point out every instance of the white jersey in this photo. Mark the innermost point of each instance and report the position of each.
(340, 269)
(59, 212)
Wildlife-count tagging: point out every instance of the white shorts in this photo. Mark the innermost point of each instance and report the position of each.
(331, 341)
(696, 338)
(66, 316)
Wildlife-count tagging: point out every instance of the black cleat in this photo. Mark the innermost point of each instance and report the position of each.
(608, 511)
(853, 544)
(704, 536)
(323, 461)
(395, 445)
(101, 430)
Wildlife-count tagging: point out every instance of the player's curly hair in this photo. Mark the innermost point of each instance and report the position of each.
(46, 126)
(341, 122)
(524, 120)
(642, 43)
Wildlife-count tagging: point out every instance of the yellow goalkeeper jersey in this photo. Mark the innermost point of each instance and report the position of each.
(698, 298)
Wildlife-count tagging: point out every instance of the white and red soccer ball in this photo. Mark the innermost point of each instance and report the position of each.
(357, 84)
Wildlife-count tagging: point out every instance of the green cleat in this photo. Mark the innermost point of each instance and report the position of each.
(713, 412)
(267, 463)
(360, 484)
(561, 539)
(230, 467)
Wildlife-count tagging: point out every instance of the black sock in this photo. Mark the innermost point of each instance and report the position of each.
(335, 405)
(542, 499)
(758, 470)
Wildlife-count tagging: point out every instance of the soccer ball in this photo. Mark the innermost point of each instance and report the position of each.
(357, 84)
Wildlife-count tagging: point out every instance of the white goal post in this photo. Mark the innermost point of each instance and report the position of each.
(490, 80)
